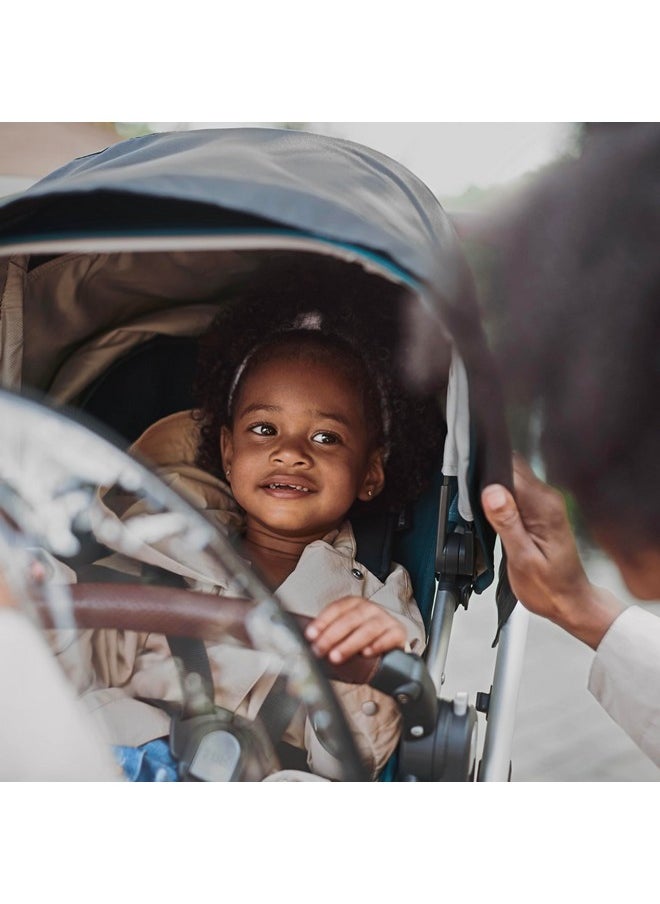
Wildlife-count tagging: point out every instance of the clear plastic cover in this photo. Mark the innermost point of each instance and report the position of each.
(85, 530)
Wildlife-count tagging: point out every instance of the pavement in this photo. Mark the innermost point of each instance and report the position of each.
(561, 734)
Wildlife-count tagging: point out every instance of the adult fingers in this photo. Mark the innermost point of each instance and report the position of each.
(536, 501)
(502, 512)
(541, 507)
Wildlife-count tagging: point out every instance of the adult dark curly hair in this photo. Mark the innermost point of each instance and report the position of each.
(583, 294)
(361, 309)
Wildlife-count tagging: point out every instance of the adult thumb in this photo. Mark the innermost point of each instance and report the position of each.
(502, 512)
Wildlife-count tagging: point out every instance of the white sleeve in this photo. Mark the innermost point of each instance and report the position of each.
(625, 677)
(46, 733)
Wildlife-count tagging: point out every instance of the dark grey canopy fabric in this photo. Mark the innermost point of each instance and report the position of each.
(322, 186)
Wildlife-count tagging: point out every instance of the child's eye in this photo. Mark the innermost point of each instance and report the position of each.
(325, 438)
(263, 429)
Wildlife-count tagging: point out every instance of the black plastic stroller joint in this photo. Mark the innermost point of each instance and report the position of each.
(454, 555)
(405, 678)
(447, 754)
(438, 739)
(457, 566)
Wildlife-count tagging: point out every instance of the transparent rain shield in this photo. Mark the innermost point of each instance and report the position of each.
(58, 478)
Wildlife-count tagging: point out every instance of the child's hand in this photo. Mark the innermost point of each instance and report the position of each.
(354, 625)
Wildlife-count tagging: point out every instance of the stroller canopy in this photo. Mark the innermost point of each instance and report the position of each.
(282, 186)
(275, 180)
(327, 187)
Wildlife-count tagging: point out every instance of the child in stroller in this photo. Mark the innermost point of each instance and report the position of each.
(310, 428)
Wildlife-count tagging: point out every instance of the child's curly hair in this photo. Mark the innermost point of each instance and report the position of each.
(362, 311)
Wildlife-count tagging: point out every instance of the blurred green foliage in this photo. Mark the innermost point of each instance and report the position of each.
(132, 129)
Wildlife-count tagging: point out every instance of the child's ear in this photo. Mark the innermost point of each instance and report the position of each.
(374, 479)
(226, 449)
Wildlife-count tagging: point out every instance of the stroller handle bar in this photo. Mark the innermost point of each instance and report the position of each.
(176, 612)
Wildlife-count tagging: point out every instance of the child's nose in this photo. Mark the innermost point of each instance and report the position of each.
(292, 450)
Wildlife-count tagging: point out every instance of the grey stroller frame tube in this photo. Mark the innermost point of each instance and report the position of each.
(444, 604)
(454, 562)
(496, 758)
(454, 566)
(444, 607)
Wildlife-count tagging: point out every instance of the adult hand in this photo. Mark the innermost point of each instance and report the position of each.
(545, 571)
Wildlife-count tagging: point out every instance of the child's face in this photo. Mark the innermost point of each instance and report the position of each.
(298, 450)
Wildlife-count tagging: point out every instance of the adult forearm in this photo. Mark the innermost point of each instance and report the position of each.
(587, 615)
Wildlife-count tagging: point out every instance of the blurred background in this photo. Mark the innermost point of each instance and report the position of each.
(475, 170)
(466, 165)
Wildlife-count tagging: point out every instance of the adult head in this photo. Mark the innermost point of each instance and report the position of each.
(582, 283)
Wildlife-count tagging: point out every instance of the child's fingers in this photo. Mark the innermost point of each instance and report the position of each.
(331, 612)
(341, 627)
(371, 639)
(354, 625)
(391, 639)
(369, 635)
(356, 641)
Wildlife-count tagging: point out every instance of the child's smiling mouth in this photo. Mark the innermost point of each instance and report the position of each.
(282, 486)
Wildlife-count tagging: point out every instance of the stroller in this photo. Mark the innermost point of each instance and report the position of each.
(111, 268)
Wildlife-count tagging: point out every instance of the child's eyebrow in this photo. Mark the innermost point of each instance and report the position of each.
(325, 415)
(333, 416)
(257, 406)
